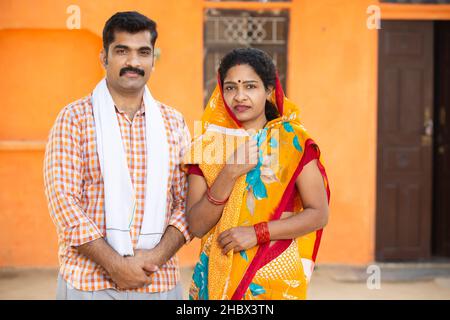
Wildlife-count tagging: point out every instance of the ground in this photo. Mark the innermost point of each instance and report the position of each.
(398, 282)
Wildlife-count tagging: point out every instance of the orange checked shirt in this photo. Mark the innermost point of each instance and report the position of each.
(74, 189)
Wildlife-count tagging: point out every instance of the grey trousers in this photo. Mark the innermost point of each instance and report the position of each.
(65, 291)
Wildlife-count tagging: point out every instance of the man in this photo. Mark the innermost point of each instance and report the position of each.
(114, 186)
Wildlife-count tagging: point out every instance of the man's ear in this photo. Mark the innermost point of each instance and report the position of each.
(103, 58)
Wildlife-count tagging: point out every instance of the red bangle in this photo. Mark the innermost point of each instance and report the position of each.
(213, 200)
(262, 232)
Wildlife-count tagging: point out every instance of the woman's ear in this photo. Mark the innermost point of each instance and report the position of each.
(269, 91)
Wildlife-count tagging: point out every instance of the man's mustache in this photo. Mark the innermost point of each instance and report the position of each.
(131, 69)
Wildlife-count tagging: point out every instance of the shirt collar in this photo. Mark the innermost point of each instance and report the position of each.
(141, 110)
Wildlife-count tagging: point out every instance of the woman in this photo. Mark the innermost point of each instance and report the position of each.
(260, 221)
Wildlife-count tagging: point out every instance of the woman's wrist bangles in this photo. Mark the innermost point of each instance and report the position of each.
(262, 232)
(213, 200)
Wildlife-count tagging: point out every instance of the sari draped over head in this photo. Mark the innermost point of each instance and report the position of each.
(277, 270)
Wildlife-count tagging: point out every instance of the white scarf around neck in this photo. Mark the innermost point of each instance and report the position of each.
(120, 196)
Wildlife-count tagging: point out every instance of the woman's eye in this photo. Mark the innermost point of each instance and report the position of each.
(251, 86)
(229, 88)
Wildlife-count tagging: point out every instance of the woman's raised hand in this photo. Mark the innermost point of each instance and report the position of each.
(244, 159)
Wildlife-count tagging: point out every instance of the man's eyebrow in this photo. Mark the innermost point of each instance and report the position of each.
(145, 48)
(121, 46)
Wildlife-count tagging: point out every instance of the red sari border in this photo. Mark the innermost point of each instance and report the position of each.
(267, 253)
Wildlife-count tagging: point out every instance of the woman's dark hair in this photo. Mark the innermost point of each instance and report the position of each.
(263, 65)
(131, 22)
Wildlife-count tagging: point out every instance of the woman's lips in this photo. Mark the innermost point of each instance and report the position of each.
(241, 108)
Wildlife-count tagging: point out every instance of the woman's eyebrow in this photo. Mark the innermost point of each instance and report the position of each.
(245, 81)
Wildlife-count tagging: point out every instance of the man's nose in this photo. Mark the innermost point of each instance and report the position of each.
(133, 60)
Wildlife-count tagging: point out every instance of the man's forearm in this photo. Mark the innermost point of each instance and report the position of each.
(101, 253)
(171, 241)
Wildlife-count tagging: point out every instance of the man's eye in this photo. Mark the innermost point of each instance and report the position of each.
(146, 52)
(120, 51)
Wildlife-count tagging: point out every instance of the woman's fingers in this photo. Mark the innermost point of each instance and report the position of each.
(224, 239)
(228, 247)
(223, 235)
(252, 155)
(229, 240)
(253, 143)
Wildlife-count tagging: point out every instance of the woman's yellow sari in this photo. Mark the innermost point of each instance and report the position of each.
(281, 269)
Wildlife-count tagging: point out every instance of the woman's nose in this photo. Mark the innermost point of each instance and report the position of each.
(240, 95)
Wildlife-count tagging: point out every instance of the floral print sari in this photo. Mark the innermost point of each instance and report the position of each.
(277, 270)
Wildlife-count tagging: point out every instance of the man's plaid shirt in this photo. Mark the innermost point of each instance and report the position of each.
(74, 189)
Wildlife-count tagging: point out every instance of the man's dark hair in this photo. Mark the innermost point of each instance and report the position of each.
(131, 22)
(261, 63)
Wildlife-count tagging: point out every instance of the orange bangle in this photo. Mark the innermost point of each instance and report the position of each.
(262, 232)
(213, 200)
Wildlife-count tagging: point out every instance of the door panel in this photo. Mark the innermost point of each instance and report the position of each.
(404, 147)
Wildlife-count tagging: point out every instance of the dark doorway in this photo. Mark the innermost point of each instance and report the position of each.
(441, 221)
(413, 161)
(404, 147)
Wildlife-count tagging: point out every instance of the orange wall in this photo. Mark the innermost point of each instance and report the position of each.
(332, 74)
(35, 84)
(46, 66)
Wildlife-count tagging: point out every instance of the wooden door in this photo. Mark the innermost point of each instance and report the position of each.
(441, 230)
(404, 147)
